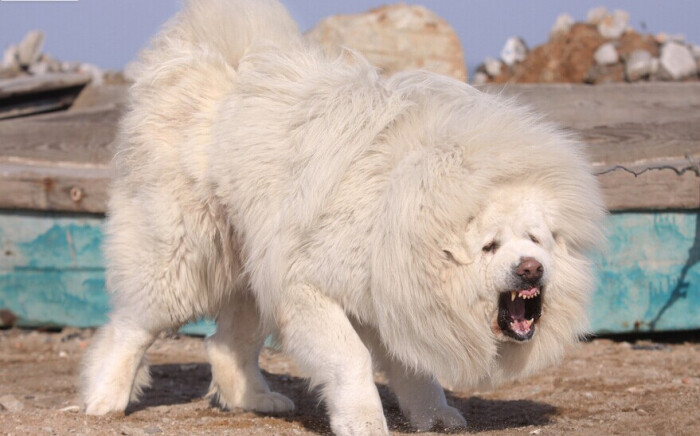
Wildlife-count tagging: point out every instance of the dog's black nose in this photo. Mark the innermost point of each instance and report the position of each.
(529, 270)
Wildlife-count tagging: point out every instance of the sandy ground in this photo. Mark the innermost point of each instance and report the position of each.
(603, 387)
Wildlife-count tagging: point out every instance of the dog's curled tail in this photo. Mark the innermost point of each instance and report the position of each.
(226, 28)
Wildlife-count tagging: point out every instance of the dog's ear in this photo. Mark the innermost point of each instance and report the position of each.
(457, 248)
(561, 242)
(457, 255)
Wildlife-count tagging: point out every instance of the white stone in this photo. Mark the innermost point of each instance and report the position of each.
(493, 66)
(695, 50)
(655, 66)
(677, 61)
(70, 66)
(596, 15)
(29, 50)
(39, 68)
(514, 51)
(613, 25)
(9, 57)
(94, 71)
(638, 65)
(606, 54)
(395, 38)
(480, 78)
(562, 25)
(663, 38)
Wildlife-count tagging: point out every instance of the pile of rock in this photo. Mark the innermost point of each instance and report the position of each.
(602, 49)
(394, 38)
(28, 59)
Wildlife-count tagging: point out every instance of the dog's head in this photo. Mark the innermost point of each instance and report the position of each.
(482, 269)
(512, 247)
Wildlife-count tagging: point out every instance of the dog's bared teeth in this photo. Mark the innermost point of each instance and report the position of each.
(513, 294)
(530, 321)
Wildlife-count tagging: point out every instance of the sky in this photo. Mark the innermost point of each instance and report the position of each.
(109, 33)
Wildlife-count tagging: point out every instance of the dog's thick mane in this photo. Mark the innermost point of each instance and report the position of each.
(461, 150)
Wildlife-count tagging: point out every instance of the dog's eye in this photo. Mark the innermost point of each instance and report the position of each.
(533, 238)
(490, 247)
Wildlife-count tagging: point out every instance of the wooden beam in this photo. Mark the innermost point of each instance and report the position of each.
(39, 185)
(643, 139)
(36, 94)
(45, 82)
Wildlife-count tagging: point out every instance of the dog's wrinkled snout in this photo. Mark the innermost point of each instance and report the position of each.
(529, 270)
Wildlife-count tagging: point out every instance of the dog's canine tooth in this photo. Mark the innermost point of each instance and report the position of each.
(513, 294)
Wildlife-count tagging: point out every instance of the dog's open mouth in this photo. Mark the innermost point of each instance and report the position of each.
(518, 311)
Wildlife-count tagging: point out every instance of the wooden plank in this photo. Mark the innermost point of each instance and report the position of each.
(47, 186)
(46, 82)
(51, 272)
(585, 106)
(656, 189)
(634, 127)
(79, 137)
(36, 94)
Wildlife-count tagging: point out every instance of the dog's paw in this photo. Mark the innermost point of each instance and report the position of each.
(360, 424)
(446, 417)
(269, 402)
(104, 404)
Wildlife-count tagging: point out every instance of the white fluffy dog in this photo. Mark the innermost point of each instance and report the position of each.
(411, 225)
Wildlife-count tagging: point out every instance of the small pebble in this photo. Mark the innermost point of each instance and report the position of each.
(11, 403)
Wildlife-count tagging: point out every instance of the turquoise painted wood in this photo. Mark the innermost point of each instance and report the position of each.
(649, 275)
(51, 272)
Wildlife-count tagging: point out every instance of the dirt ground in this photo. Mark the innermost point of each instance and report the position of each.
(603, 387)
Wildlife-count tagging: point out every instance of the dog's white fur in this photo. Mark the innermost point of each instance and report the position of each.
(260, 182)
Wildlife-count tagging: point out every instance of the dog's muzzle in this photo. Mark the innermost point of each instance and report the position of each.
(520, 308)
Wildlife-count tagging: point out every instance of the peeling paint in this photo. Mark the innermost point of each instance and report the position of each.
(52, 272)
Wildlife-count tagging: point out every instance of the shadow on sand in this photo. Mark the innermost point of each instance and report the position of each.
(182, 383)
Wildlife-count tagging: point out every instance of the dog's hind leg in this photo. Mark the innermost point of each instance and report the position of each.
(115, 369)
(233, 353)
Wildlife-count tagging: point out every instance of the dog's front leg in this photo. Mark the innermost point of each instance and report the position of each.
(316, 331)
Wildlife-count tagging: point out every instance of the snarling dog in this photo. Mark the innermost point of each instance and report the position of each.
(409, 224)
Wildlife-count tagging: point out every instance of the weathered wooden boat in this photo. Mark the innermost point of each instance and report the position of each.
(644, 140)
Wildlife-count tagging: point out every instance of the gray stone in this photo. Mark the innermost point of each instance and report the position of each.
(596, 15)
(11, 403)
(677, 62)
(606, 54)
(561, 26)
(514, 51)
(638, 65)
(29, 50)
(614, 25)
(493, 66)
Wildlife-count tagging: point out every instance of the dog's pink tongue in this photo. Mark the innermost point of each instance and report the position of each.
(528, 292)
(521, 327)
